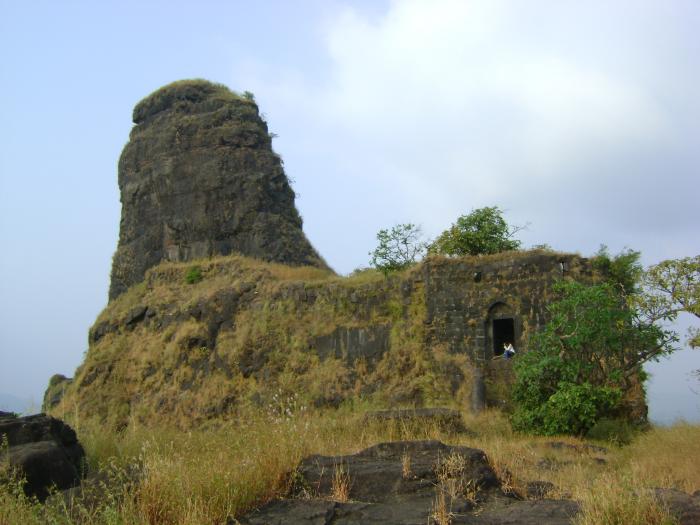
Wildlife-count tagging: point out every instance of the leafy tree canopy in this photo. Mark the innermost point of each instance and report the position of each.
(483, 231)
(578, 367)
(671, 287)
(623, 270)
(398, 248)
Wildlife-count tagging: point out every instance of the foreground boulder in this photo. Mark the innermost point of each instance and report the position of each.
(684, 507)
(405, 482)
(44, 451)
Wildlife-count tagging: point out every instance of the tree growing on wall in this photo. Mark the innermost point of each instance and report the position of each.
(592, 350)
(398, 248)
(623, 271)
(483, 231)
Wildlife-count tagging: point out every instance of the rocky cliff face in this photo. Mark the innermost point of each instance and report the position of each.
(198, 178)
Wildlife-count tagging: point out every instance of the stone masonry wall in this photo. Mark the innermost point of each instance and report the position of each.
(463, 296)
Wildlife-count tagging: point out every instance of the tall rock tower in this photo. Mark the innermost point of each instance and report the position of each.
(197, 178)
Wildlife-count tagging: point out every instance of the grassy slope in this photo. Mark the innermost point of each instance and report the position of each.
(222, 467)
(205, 475)
(148, 373)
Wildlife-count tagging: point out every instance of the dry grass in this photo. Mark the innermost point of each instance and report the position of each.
(340, 484)
(406, 465)
(441, 513)
(157, 371)
(615, 499)
(208, 474)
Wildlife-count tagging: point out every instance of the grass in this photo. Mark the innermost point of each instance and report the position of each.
(279, 315)
(149, 391)
(193, 90)
(340, 484)
(208, 474)
(275, 317)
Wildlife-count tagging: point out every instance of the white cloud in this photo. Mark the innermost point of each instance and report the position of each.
(453, 66)
(440, 106)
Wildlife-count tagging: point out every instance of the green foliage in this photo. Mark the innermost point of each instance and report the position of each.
(571, 409)
(671, 287)
(190, 91)
(194, 275)
(483, 231)
(616, 431)
(579, 365)
(398, 248)
(623, 271)
(249, 96)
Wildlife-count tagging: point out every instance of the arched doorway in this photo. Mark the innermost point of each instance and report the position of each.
(501, 329)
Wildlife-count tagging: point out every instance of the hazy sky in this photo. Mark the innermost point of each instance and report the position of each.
(579, 118)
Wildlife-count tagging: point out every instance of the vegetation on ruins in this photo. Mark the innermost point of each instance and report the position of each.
(482, 231)
(398, 248)
(590, 353)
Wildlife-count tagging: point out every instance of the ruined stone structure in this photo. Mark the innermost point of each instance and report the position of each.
(477, 307)
(199, 178)
(430, 336)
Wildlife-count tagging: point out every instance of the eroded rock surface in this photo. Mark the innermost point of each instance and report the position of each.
(402, 483)
(197, 178)
(684, 507)
(44, 450)
(54, 392)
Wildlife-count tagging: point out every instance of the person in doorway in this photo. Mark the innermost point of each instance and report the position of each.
(508, 350)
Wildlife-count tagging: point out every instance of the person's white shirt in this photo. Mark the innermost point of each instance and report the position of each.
(508, 350)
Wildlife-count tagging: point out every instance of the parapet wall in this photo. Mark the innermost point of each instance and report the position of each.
(464, 296)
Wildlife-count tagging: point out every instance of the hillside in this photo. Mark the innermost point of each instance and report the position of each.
(200, 340)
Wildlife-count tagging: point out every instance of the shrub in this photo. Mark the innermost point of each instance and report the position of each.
(581, 362)
(193, 275)
(616, 431)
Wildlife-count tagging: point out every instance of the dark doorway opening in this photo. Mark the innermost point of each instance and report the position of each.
(503, 333)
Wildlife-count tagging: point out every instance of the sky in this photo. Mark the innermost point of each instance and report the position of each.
(579, 119)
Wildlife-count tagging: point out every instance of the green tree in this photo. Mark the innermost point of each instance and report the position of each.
(578, 367)
(482, 231)
(671, 287)
(623, 270)
(398, 248)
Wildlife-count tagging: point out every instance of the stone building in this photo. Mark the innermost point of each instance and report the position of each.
(476, 306)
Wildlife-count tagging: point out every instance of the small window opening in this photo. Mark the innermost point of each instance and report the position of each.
(563, 266)
(503, 333)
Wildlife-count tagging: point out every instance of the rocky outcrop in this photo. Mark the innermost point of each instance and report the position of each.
(54, 392)
(405, 482)
(44, 450)
(198, 178)
(684, 507)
